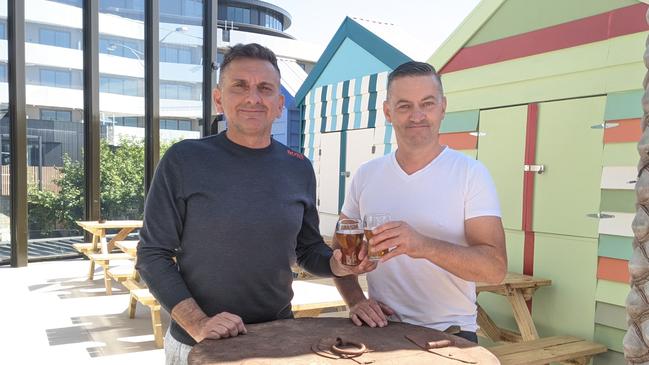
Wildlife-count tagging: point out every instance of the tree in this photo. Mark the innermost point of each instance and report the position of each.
(121, 189)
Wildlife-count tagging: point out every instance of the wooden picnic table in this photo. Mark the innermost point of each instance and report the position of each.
(98, 231)
(321, 294)
(518, 289)
(309, 340)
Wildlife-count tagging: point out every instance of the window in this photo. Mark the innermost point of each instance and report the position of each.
(56, 115)
(193, 8)
(175, 55)
(176, 124)
(170, 7)
(175, 91)
(185, 125)
(237, 14)
(119, 85)
(3, 72)
(52, 37)
(56, 78)
(126, 121)
(3, 30)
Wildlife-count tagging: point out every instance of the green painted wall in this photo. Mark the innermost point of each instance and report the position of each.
(618, 201)
(611, 337)
(617, 247)
(611, 292)
(610, 358)
(621, 154)
(572, 153)
(624, 105)
(611, 315)
(454, 122)
(502, 150)
(592, 69)
(521, 16)
(567, 307)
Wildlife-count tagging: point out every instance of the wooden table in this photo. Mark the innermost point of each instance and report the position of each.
(313, 297)
(98, 231)
(518, 289)
(295, 341)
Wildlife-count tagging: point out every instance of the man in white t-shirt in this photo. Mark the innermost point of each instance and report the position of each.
(446, 232)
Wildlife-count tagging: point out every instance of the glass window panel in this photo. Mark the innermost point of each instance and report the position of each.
(130, 87)
(184, 56)
(55, 126)
(63, 39)
(64, 116)
(182, 81)
(170, 6)
(46, 36)
(48, 77)
(48, 114)
(63, 79)
(185, 125)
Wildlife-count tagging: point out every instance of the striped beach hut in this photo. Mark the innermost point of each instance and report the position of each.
(341, 102)
(548, 95)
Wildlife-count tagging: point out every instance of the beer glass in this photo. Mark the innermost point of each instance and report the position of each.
(349, 235)
(370, 222)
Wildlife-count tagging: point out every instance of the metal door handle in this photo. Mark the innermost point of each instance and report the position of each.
(600, 215)
(534, 168)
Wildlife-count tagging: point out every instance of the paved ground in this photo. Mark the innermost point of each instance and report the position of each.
(53, 315)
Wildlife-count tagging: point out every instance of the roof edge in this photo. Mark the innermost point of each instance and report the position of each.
(463, 33)
(362, 36)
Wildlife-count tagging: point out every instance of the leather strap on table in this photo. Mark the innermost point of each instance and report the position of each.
(443, 347)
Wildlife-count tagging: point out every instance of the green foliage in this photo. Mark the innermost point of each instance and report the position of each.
(121, 186)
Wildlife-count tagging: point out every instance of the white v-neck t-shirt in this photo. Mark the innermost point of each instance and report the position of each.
(435, 201)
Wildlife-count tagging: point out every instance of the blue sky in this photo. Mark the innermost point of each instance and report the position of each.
(433, 20)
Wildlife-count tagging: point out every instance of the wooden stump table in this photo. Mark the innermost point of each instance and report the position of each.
(309, 340)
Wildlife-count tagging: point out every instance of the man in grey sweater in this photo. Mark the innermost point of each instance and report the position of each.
(235, 210)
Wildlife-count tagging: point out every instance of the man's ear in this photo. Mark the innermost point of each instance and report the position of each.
(387, 112)
(281, 105)
(216, 97)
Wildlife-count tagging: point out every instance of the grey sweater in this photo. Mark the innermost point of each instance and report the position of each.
(236, 219)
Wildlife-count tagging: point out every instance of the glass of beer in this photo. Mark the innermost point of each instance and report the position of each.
(370, 222)
(349, 235)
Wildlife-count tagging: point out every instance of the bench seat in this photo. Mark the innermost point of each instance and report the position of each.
(566, 349)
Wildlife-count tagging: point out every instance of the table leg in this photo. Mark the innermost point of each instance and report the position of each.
(95, 241)
(522, 315)
(119, 237)
(487, 325)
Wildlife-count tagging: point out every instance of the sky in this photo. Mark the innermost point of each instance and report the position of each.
(428, 20)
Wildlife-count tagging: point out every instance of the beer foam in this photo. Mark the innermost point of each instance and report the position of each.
(351, 231)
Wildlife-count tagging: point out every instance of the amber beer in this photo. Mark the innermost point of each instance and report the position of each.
(349, 235)
(372, 254)
(351, 242)
(372, 221)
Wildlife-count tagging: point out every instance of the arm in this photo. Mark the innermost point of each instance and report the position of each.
(164, 214)
(485, 258)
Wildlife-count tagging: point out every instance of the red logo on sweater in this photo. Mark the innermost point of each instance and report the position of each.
(295, 154)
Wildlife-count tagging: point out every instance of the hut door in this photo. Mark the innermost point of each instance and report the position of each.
(569, 146)
(329, 173)
(359, 150)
